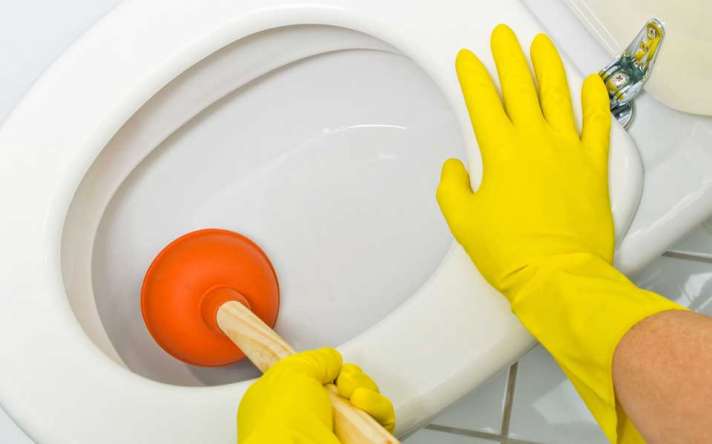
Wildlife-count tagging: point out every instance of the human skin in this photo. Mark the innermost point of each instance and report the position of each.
(662, 370)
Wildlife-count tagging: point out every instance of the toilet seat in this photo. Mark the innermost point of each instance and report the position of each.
(60, 387)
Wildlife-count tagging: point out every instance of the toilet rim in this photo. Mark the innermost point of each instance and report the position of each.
(100, 89)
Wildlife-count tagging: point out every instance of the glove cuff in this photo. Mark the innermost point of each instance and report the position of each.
(579, 307)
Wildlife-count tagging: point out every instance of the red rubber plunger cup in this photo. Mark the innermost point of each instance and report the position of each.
(188, 282)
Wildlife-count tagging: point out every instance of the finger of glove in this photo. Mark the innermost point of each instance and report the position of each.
(595, 134)
(351, 378)
(554, 94)
(323, 364)
(520, 97)
(481, 97)
(454, 188)
(376, 405)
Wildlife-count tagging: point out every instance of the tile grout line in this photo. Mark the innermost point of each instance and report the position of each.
(518, 441)
(688, 256)
(503, 436)
(464, 432)
(477, 434)
(509, 400)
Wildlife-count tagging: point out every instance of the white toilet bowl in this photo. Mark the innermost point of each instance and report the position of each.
(316, 128)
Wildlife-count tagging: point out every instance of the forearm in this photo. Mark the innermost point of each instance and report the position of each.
(579, 307)
(662, 371)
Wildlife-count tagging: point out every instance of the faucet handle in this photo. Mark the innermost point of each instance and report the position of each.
(624, 77)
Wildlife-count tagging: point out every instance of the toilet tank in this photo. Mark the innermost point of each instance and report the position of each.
(682, 78)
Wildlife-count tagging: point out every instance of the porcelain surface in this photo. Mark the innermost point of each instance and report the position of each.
(110, 76)
(674, 145)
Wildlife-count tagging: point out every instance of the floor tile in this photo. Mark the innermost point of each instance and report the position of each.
(425, 436)
(11, 433)
(480, 409)
(685, 281)
(546, 407)
(698, 241)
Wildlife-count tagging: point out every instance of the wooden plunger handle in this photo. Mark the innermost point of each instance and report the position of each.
(264, 347)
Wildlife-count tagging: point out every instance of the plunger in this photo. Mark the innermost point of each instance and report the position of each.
(210, 298)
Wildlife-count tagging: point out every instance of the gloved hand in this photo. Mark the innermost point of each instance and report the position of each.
(539, 228)
(289, 404)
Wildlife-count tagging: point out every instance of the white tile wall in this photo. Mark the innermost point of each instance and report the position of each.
(480, 409)
(546, 407)
(433, 437)
(698, 242)
(688, 282)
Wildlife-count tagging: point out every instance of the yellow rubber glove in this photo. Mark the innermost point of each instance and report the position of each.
(289, 405)
(539, 228)
(356, 386)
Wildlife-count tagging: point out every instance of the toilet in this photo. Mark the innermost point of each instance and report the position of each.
(316, 128)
